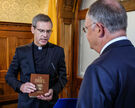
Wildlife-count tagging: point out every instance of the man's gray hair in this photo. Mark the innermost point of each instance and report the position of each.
(41, 17)
(113, 17)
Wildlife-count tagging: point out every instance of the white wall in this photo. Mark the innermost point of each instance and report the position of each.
(131, 26)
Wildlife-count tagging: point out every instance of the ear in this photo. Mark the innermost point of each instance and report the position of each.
(32, 29)
(100, 30)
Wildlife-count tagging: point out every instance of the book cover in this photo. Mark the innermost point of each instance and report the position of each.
(41, 82)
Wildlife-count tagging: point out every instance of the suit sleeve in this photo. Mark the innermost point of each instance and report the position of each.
(62, 78)
(11, 76)
(97, 89)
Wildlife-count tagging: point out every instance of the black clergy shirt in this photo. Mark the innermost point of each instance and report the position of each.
(40, 58)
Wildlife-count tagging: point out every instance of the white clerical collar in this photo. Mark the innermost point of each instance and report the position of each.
(112, 41)
(39, 48)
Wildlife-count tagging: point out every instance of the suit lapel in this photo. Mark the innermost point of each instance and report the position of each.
(50, 52)
(51, 56)
(30, 58)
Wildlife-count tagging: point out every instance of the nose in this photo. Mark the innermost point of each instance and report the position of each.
(45, 34)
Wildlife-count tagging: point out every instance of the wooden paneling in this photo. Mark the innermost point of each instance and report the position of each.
(11, 36)
(79, 15)
(67, 46)
(22, 41)
(10, 104)
(11, 45)
(3, 52)
(128, 4)
(65, 39)
(82, 14)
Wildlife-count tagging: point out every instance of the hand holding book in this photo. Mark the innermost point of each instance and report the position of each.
(47, 96)
(41, 82)
(27, 87)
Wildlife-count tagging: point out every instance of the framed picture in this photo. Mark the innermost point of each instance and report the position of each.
(128, 4)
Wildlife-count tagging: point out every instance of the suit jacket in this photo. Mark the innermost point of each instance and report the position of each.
(23, 62)
(109, 82)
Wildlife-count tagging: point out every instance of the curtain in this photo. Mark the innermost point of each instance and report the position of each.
(52, 13)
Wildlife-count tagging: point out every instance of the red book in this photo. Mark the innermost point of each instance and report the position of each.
(41, 82)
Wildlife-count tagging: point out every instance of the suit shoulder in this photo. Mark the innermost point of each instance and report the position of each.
(55, 46)
(23, 47)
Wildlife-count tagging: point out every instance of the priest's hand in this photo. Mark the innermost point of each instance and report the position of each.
(27, 87)
(47, 96)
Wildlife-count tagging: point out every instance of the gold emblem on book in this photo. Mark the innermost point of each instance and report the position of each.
(39, 87)
(39, 80)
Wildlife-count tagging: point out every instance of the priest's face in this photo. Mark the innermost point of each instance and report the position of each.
(42, 32)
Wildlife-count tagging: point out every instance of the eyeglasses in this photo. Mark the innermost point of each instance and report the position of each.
(85, 29)
(44, 31)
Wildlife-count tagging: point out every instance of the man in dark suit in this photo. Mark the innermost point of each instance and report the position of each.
(40, 57)
(109, 82)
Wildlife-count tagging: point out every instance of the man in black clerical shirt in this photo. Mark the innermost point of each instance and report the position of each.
(39, 57)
